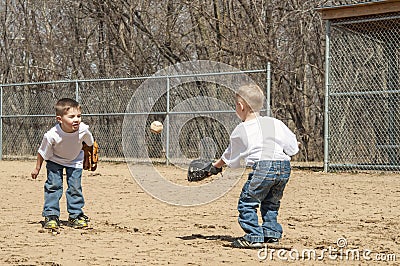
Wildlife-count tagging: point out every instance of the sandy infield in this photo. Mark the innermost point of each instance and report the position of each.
(130, 227)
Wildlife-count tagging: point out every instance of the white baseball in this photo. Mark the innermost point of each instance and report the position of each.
(156, 127)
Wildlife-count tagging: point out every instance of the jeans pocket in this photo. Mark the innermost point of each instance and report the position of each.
(260, 186)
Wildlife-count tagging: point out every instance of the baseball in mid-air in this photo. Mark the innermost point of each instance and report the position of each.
(156, 127)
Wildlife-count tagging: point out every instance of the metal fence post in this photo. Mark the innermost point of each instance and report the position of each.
(269, 89)
(1, 123)
(167, 123)
(326, 110)
(76, 91)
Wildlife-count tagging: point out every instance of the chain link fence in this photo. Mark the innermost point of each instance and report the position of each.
(363, 90)
(27, 112)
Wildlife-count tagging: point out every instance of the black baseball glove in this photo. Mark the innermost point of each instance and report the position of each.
(200, 169)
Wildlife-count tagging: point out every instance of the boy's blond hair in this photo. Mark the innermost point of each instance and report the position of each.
(252, 95)
(65, 104)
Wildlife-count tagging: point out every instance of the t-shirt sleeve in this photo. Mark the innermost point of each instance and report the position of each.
(236, 149)
(88, 138)
(290, 147)
(46, 147)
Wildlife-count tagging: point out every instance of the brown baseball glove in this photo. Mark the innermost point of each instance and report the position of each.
(91, 156)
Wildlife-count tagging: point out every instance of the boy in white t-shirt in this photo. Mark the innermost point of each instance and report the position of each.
(61, 148)
(266, 145)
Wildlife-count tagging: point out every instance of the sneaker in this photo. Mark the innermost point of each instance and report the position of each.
(51, 222)
(271, 240)
(243, 243)
(81, 222)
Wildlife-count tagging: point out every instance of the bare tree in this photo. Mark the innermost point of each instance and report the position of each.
(72, 39)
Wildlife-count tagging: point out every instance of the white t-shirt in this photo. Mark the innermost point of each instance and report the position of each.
(65, 148)
(259, 139)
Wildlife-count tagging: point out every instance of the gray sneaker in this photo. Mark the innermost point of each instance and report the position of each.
(81, 222)
(243, 243)
(51, 222)
(271, 240)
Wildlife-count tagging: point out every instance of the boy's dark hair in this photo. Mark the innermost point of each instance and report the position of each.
(65, 104)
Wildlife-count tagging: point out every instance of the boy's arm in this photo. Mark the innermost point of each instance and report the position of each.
(292, 145)
(219, 163)
(88, 138)
(39, 162)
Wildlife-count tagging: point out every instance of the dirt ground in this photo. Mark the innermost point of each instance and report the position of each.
(328, 218)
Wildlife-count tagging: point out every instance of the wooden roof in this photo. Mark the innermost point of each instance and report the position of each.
(358, 10)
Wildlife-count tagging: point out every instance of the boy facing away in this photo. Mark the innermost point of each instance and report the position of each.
(61, 148)
(266, 145)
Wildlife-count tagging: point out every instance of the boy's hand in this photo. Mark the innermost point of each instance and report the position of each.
(215, 170)
(39, 162)
(35, 173)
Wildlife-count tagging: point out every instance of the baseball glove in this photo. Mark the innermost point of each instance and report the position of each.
(91, 156)
(200, 169)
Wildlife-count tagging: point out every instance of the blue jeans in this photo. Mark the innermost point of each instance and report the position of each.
(264, 189)
(53, 190)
